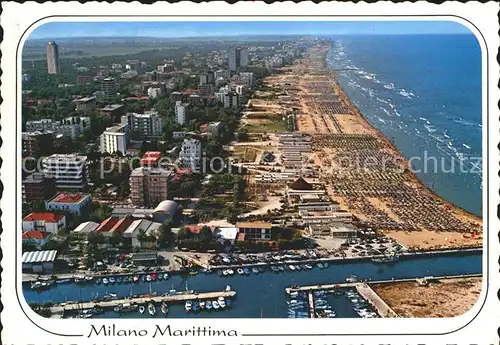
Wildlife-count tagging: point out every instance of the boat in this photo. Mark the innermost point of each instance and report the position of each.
(222, 303)
(98, 281)
(230, 272)
(148, 278)
(141, 309)
(159, 276)
(261, 269)
(325, 264)
(79, 280)
(309, 267)
(153, 277)
(228, 288)
(225, 272)
(281, 268)
(215, 305)
(351, 279)
(164, 308)
(110, 296)
(221, 273)
(165, 276)
(188, 306)
(40, 285)
(304, 267)
(143, 278)
(119, 280)
(228, 303)
(275, 269)
(240, 271)
(63, 281)
(151, 309)
(193, 273)
(111, 280)
(125, 308)
(202, 304)
(255, 270)
(135, 279)
(320, 265)
(196, 307)
(246, 271)
(292, 267)
(105, 281)
(209, 305)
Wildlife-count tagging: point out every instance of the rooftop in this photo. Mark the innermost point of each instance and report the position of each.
(37, 177)
(112, 107)
(86, 227)
(36, 235)
(43, 216)
(145, 171)
(39, 256)
(85, 99)
(255, 225)
(67, 198)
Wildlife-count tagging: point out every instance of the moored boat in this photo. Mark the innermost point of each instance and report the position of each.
(246, 271)
(215, 305)
(240, 271)
(151, 309)
(208, 305)
(141, 309)
(188, 306)
(255, 270)
(164, 308)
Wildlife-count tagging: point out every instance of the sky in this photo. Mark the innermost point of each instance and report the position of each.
(191, 29)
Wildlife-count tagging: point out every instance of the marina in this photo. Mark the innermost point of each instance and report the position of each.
(263, 294)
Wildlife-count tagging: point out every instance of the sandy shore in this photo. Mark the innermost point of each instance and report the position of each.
(447, 298)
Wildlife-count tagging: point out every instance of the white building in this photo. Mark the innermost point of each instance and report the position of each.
(149, 124)
(154, 92)
(115, 139)
(180, 112)
(240, 89)
(231, 100)
(45, 222)
(71, 126)
(190, 154)
(69, 171)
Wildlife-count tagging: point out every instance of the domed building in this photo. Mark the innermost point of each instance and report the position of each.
(165, 210)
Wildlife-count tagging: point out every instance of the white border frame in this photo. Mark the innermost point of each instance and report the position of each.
(17, 17)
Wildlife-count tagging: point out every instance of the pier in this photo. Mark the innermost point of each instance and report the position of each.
(61, 308)
(367, 292)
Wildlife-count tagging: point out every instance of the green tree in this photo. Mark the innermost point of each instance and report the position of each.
(206, 235)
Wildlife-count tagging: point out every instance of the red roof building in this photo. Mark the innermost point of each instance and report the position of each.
(151, 159)
(44, 222)
(36, 235)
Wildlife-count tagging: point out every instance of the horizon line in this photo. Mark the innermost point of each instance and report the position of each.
(252, 35)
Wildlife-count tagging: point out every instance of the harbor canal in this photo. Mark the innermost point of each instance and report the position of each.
(263, 295)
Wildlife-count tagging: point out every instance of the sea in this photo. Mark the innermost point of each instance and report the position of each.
(424, 93)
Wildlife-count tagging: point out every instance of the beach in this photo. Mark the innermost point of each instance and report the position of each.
(351, 153)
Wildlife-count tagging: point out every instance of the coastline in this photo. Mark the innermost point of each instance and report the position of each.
(357, 119)
(381, 136)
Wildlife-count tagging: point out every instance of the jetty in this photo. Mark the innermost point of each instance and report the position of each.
(65, 307)
(364, 289)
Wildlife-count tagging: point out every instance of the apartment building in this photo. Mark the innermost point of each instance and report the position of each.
(115, 139)
(148, 186)
(70, 172)
(149, 124)
(190, 154)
